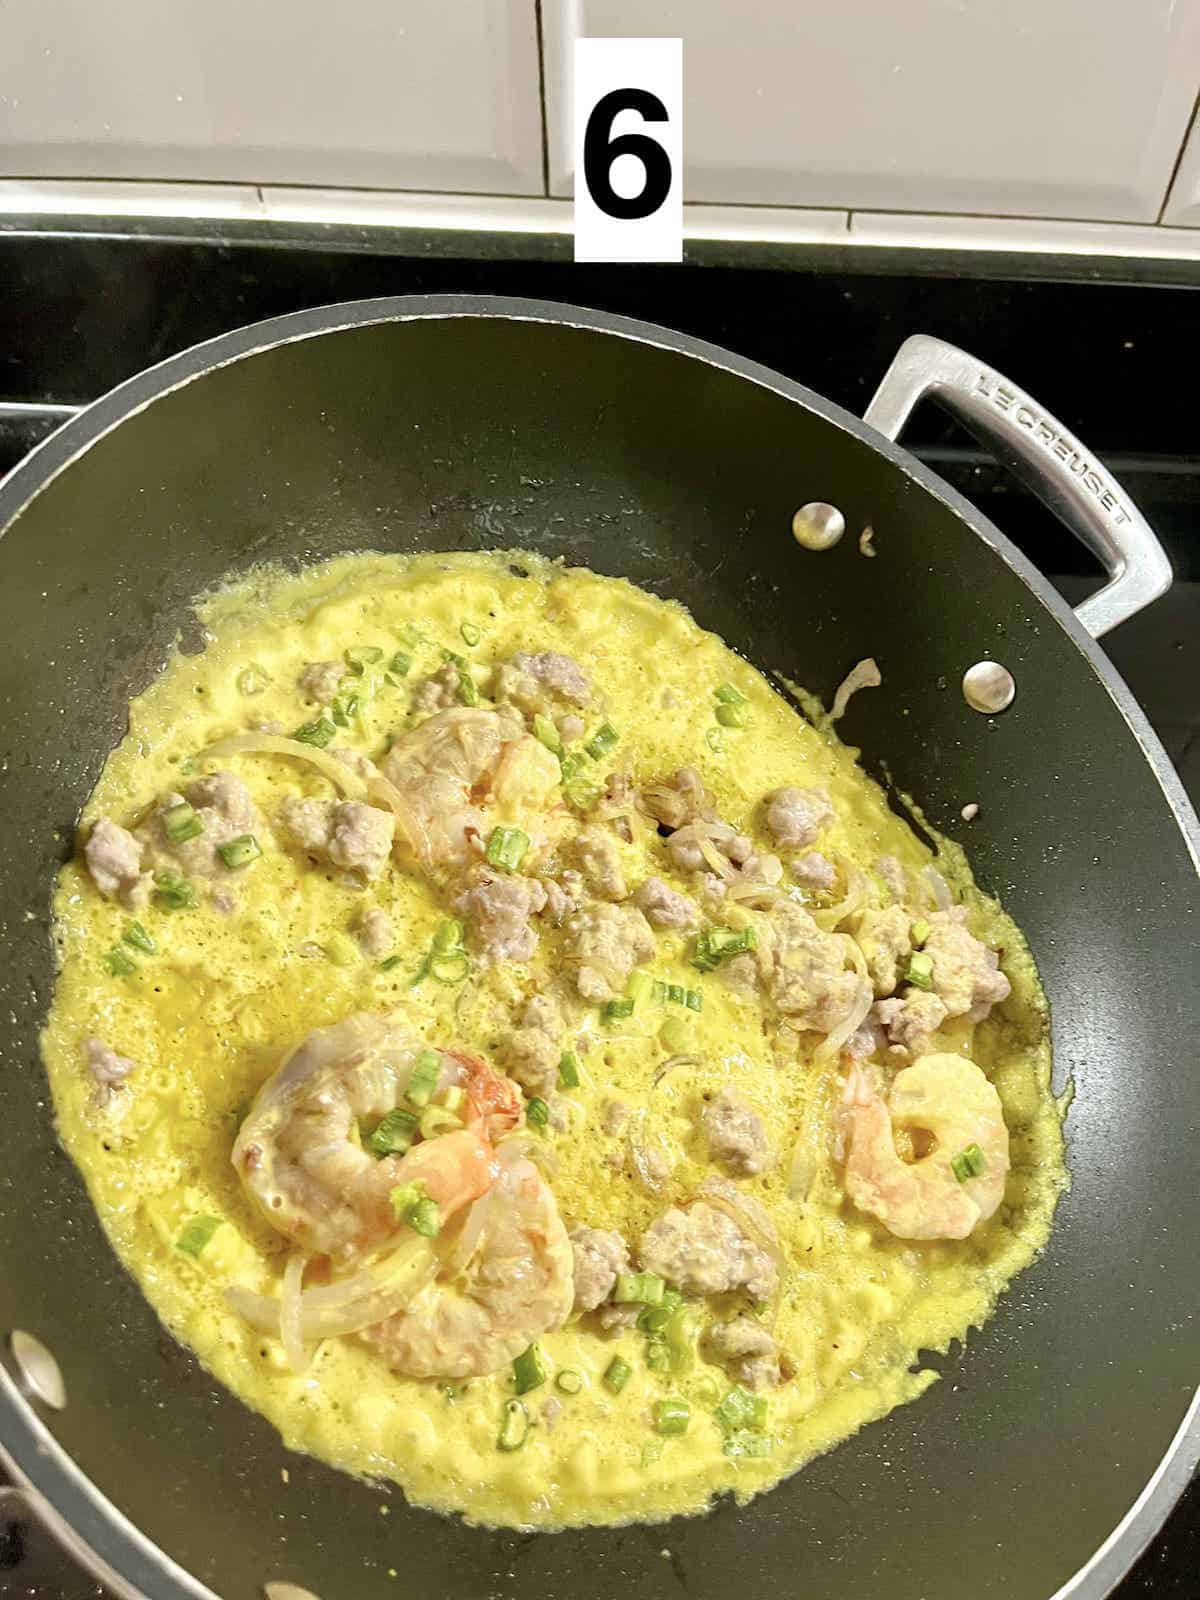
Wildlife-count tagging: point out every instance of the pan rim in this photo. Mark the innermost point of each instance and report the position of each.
(113, 1545)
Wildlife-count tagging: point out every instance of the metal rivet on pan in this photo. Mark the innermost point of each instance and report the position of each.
(988, 687)
(818, 526)
(41, 1372)
(288, 1591)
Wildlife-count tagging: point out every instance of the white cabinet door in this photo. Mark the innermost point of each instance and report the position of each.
(1183, 203)
(1060, 108)
(383, 93)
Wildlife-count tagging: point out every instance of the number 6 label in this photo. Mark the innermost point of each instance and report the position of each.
(628, 149)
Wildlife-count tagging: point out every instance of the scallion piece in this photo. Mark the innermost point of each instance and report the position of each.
(137, 936)
(748, 1444)
(546, 733)
(638, 988)
(410, 635)
(468, 689)
(658, 1357)
(581, 793)
(729, 695)
(680, 1337)
(448, 936)
(195, 1235)
(528, 1370)
(181, 823)
(616, 1010)
(341, 950)
(741, 1409)
(660, 991)
(732, 716)
(920, 970)
(694, 1000)
(317, 733)
(452, 1097)
(715, 945)
(616, 1375)
(394, 1135)
(920, 932)
(424, 1218)
(514, 1426)
(364, 656)
(537, 1112)
(436, 1120)
(654, 1319)
(644, 1288)
(351, 707)
(569, 766)
(470, 633)
(602, 741)
(389, 962)
(119, 962)
(423, 1079)
(506, 848)
(240, 852)
(671, 1417)
(403, 1198)
(569, 1381)
(172, 891)
(338, 712)
(453, 655)
(568, 1070)
(969, 1163)
(400, 665)
(676, 994)
(450, 968)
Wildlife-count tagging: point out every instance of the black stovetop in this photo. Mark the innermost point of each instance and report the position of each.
(1101, 344)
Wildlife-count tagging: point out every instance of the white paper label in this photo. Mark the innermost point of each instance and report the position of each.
(628, 149)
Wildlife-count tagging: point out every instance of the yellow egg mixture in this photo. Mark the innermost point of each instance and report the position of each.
(207, 1015)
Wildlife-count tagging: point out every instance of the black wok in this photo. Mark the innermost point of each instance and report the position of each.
(1066, 1428)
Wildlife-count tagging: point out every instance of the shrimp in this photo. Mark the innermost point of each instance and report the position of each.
(943, 1097)
(516, 1282)
(299, 1154)
(461, 772)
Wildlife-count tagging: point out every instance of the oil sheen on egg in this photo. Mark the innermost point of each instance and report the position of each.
(209, 1014)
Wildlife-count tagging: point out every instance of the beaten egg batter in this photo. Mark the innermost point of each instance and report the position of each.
(764, 1282)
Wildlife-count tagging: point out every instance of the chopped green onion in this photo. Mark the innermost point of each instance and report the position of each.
(252, 679)
(400, 665)
(338, 712)
(658, 1357)
(394, 1135)
(638, 988)
(661, 991)
(569, 766)
(676, 993)
(715, 945)
(694, 1000)
(568, 1070)
(729, 695)
(436, 1120)
(615, 1010)
(514, 1428)
(748, 1444)
(240, 852)
(351, 707)
(537, 1112)
(137, 936)
(452, 1097)
(404, 1197)
(602, 741)
(569, 1381)
(675, 1034)
(448, 936)
(180, 823)
(318, 733)
(173, 891)
(528, 1371)
(424, 1218)
(654, 1319)
(506, 848)
(644, 1287)
(341, 950)
(119, 963)
(389, 962)
(920, 970)
(468, 689)
(196, 1234)
(671, 1417)
(920, 932)
(741, 1409)
(732, 716)
(410, 635)
(616, 1375)
(365, 655)
(969, 1163)
(581, 793)
(451, 968)
(546, 733)
(423, 1080)
(453, 655)
(471, 634)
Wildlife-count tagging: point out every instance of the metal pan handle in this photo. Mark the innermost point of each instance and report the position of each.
(1063, 473)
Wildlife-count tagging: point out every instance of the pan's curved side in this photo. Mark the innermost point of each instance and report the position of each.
(449, 423)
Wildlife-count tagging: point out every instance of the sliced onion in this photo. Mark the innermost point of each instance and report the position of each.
(347, 1305)
(671, 1063)
(828, 917)
(639, 1155)
(724, 1197)
(833, 1041)
(863, 675)
(343, 778)
(470, 1237)
(938, 888)
(719, 863)
(807, 1152)
(290, 1313)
